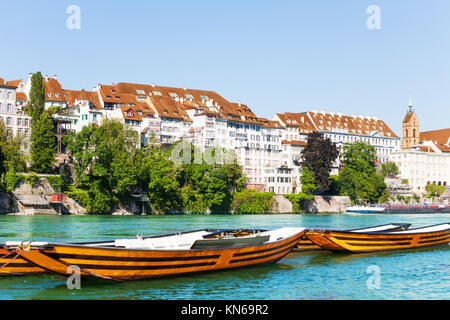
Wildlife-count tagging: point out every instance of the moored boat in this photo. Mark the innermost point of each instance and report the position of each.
(366, 209)
(381, 241)
(161, 256)
(12, 264)
(307, 245)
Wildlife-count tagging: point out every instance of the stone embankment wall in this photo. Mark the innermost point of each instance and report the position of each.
(323, 204)
(35, 200)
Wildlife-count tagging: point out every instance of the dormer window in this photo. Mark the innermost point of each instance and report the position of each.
(204, 97)
(141, 92)
(157, 93)
(49, 94)
(57, 95)
(108, 97)
(173, 95)
(189, 96)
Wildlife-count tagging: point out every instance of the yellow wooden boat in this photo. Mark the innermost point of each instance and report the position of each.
(381, 241)
(160, 256)
(12, 264)
(307, 245)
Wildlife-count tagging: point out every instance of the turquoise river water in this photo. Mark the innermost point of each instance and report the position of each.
(407, 274)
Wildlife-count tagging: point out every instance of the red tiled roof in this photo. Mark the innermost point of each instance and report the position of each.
(14, 83)
(161, 97)
(294, 142)
(331, 122)
(72, 95)
(6, 84)
(53, 90)
(130, 114)
(21, 96)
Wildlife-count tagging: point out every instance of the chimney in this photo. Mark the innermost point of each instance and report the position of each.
(55, 76)
(46, 78)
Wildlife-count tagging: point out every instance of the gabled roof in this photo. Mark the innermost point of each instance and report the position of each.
(3, 83)
(335, 122)
(130, 114)
(441, 138)
(266, 123)
(171, 99)
(53, 90)
(14, 83)
(81, 95)
(21, 96)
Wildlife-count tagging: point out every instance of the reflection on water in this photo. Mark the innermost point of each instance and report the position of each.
(406, 274)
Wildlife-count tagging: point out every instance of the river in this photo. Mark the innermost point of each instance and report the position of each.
(410, 274)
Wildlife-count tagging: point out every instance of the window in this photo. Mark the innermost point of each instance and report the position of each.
(173, 95)
(141, 92)
(157, 93)
(19, 121)
(189, 96)
(26, 122)
(8, 121)
(204, 97)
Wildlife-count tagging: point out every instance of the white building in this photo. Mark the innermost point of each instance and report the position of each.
(425, 156)
(12, 111)
(341, 129)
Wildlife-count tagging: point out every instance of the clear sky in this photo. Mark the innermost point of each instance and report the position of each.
(274, 56)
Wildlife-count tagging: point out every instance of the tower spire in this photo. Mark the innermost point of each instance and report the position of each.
(410, 105)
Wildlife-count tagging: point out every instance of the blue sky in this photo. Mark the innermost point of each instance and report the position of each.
(274, 56)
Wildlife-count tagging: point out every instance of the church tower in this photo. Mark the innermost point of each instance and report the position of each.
(410, 129)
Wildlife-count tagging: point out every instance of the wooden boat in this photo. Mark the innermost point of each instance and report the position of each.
(160, 256)
(307, 245)
(12, 264)
(381, 241)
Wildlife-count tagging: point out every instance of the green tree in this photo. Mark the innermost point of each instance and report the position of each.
(308, 182)
(359, 156)
(2, 160)
(43, 145)
(389, 169)
(434, 190)
(36, 105)
(318, 156)
(107, 161)
(12, 150)
(358, 178)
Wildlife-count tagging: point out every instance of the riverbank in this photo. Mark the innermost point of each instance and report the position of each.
(38, 199)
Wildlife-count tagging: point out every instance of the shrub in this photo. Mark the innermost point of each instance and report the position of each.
(252, 202)
(57, 183)
(298, 201)
(12, 179)
(32, 179)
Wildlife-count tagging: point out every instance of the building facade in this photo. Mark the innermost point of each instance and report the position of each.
(424, 157)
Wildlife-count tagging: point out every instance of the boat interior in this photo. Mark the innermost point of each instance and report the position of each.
(382, 228)
(198, 239)
(435, 228)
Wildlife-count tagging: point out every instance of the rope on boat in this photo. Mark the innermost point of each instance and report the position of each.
(99, 275)
(17, 251)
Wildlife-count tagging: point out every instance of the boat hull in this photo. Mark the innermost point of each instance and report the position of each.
(17, 266)
(372, 242)
(127, 264)
(306, 245)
